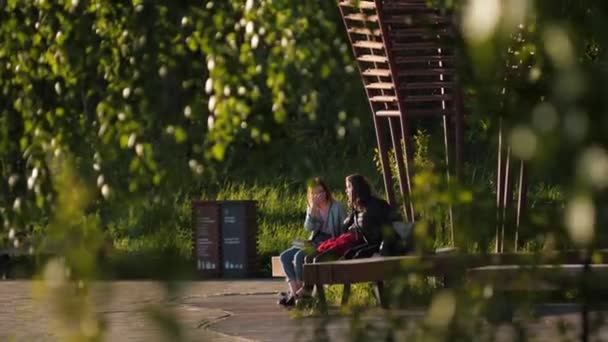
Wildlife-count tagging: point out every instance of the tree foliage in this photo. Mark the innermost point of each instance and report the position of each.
(540, 68)
(149, 94)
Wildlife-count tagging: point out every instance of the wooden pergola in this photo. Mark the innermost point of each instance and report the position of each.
(408, 67)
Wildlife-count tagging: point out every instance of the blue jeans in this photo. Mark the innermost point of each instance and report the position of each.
(292, 260)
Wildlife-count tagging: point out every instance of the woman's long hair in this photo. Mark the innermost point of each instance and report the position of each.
(315, 182)
(361, 190)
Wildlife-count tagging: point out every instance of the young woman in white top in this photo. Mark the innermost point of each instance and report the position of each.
(324, 219)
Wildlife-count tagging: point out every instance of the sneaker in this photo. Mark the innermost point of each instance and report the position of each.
(287, 301)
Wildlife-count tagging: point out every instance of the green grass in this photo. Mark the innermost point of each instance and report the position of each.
(166, 227)
(281, 210)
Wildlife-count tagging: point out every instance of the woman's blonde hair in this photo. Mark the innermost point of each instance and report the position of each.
(319, 182)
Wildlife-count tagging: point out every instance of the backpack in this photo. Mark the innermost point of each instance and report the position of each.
(398, 239)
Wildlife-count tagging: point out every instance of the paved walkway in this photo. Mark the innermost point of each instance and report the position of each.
(126, 307)
(211, 310)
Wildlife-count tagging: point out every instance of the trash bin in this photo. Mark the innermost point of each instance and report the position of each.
(238, 231)
(225, 238)
(206, 221)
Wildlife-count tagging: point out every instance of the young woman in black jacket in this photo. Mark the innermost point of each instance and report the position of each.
(369, 216)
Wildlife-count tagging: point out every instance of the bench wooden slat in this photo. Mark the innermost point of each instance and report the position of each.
(277, 267)
(384, 268)
(15, 251)
(537, 277)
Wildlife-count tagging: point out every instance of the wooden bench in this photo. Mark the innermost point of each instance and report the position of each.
(277, 267)
(538, 277)
(6, 254)
(377, 270)
(451, 266)
(507, 283)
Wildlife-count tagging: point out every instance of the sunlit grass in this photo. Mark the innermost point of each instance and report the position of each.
(281, 209)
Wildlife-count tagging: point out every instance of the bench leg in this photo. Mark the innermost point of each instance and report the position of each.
(322, 301)
(4, 266)
(448, 282)
(452, 280)
(345, 294)
(380, 295)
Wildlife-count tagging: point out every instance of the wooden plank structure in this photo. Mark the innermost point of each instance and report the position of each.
(405, 54)
(408, 69)
(407, 66)
(408, 72)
